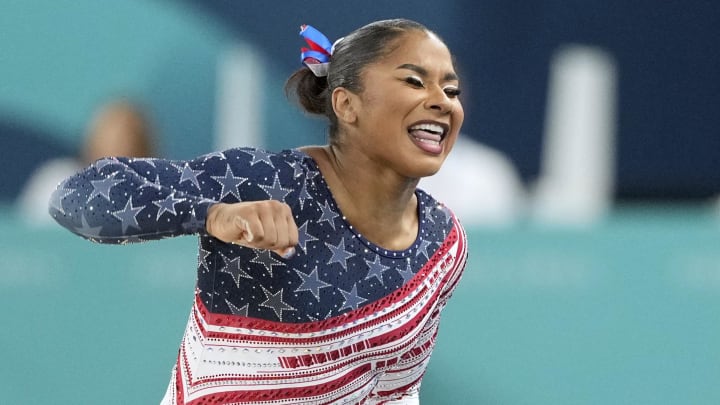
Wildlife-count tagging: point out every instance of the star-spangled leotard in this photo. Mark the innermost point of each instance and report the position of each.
(342, 321)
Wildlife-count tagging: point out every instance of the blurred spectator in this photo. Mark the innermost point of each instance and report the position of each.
(479, 184)
(119, 128)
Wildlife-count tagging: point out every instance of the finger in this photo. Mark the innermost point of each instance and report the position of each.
(285, 233)
(249, 232)
(285, 227)
(242, 227)
(285, 253)
(290, 234)
(293, 235)
(270, 230)
(281, 232)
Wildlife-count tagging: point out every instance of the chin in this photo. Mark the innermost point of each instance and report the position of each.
(428, 168)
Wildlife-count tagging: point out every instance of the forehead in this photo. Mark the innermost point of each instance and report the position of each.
(419, 48)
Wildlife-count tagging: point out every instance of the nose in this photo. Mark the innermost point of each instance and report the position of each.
(439, 101)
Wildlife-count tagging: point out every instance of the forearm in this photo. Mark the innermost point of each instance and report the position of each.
(115, 201)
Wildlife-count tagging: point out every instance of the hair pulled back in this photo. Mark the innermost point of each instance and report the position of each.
(351, 55)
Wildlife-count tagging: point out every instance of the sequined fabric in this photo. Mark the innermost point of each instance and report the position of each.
(337, 323)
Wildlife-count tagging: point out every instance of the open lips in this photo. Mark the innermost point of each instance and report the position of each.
(429, 135)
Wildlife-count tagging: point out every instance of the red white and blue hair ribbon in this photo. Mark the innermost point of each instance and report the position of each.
(317, 56)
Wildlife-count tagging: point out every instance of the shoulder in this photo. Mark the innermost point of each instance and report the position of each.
(437, 220)
(431, 205)
(438, 209)
(257, 162)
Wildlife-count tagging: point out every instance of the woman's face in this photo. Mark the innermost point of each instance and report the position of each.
(409, 114)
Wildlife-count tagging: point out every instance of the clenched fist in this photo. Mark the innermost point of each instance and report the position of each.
(256, 224)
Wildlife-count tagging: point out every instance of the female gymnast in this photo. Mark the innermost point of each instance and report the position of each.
(322, 270)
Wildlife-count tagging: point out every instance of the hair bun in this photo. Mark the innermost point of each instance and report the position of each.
(309, 90)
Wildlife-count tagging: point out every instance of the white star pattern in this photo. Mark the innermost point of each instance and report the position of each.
(276, 191)
(100, 164)
(211, 155)
(260, 156)
(304, 195)
(128, 215)
(304, 237)
(327, 214)
(275, 302)
(202, 258)
(103, 187)
(57, 197)
(339, 253)
(423, 249)
(167, 205)
(406, 274)
(446, 213)
(376, 269)
(152, 184)
(297, 169)
(428, 213)
(190, 175)
(265, 258)
(243, 311)
(311, 283)
(234, 267)
(267, 327)
(229, 183)
(86, 229)
(352, 300)
(148, 161)
(333, 272)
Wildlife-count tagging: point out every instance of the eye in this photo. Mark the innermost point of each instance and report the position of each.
(452, 91)
(414, 81)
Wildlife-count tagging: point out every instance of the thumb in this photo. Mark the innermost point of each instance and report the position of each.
(285, 253)
(243, 226)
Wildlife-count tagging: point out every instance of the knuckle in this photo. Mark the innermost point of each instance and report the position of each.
(275, 205)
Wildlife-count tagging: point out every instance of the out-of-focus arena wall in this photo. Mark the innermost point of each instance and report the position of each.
(60, 59)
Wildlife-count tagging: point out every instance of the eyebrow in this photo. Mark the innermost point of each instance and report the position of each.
(423, 72)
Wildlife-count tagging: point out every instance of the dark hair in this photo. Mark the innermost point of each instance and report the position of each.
(351, 55)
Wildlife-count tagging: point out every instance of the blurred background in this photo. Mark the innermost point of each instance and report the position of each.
(588, 177)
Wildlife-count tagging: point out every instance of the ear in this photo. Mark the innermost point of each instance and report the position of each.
(343, 103)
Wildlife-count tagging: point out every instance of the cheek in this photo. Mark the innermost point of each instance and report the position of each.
(458, 115)
(386, 114)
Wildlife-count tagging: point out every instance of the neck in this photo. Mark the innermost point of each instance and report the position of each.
(378, 202)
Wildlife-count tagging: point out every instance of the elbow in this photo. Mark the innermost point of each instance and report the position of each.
(66, 211)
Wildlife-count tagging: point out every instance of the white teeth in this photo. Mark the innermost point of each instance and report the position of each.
(434, 128)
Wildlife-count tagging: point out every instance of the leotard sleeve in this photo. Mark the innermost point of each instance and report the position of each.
(120, 200)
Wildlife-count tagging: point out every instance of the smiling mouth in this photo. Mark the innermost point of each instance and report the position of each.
(428, 136)
(429, 132)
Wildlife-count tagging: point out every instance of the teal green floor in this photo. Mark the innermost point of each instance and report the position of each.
(626, 312)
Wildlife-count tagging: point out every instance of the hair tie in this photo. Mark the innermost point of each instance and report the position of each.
(317, 57)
